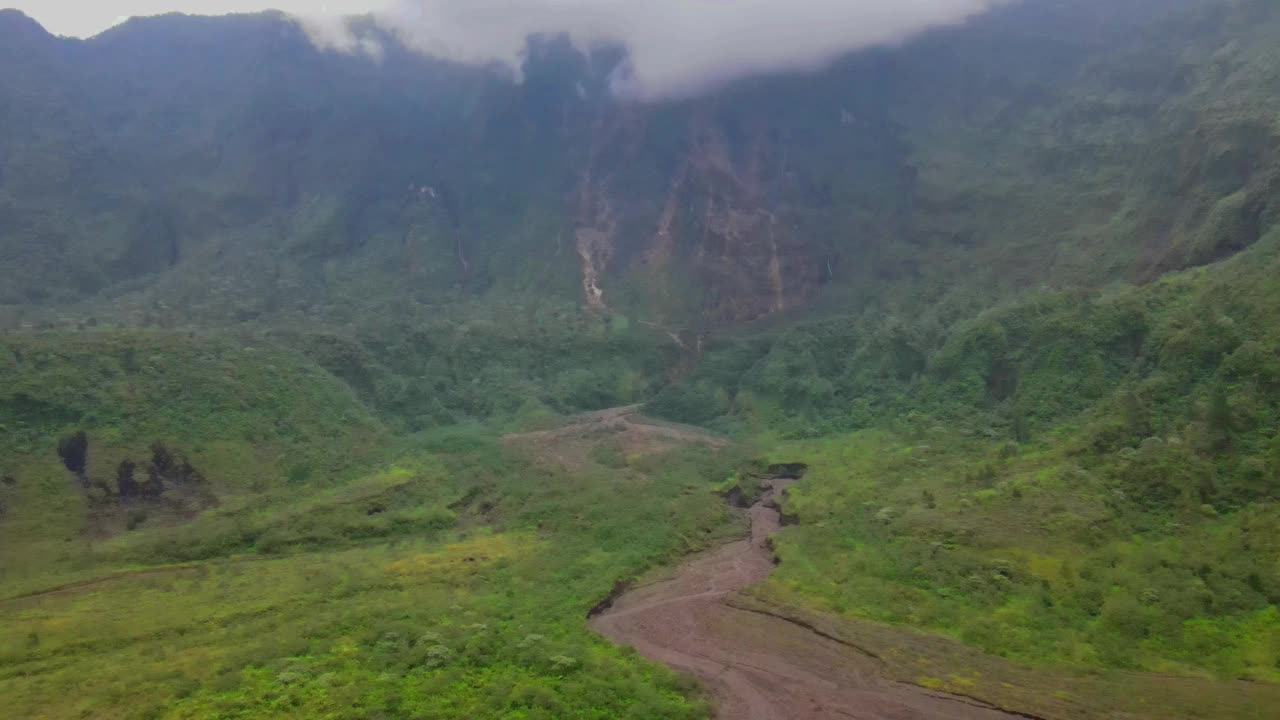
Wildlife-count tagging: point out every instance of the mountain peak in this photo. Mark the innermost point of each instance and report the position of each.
(16, 26)
(16, 19)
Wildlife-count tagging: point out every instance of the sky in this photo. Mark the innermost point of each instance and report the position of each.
(84, 18)
(676, 47)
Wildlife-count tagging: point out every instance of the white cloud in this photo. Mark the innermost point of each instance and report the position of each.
(676, 47)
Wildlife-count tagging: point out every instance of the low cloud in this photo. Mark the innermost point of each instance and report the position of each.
(676, 48)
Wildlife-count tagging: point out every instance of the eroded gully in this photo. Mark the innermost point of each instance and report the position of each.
(755, 666)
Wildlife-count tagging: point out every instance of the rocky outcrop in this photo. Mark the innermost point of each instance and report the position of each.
(718, 227)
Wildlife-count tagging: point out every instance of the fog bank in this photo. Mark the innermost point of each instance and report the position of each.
(676, 48)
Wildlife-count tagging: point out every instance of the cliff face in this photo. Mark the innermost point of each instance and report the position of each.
(212, 170)
(249, 174)
(746, 251)
(718, 224)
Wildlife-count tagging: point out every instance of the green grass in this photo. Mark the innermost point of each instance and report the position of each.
(1081, 480)
(1076, 480)
(249, 418)
(1027, 556)
(454, 583)
(1085, 479)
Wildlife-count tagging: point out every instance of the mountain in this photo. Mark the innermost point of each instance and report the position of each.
(181, 171)
(271, 315)
(233, 145)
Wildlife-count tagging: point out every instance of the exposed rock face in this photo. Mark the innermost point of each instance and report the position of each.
(594, 250)
(718, 224)
(749, 255)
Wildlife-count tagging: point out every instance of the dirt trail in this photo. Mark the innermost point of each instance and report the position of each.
(755, 666)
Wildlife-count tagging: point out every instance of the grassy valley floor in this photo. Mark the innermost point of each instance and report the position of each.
(379, 616)
(453, 583)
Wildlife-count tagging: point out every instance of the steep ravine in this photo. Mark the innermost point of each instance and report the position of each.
(754, 666)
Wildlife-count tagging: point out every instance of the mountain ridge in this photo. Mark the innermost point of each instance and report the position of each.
(539, 111)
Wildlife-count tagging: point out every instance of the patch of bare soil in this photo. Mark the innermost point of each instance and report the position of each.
(623, 429)
(1051, 693)
(757, 666)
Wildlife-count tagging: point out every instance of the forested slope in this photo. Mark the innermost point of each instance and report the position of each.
(217, 170)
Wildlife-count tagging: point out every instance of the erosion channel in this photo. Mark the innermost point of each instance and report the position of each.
(755, 666)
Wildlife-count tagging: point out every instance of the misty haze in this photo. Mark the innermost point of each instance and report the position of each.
(673, 47)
